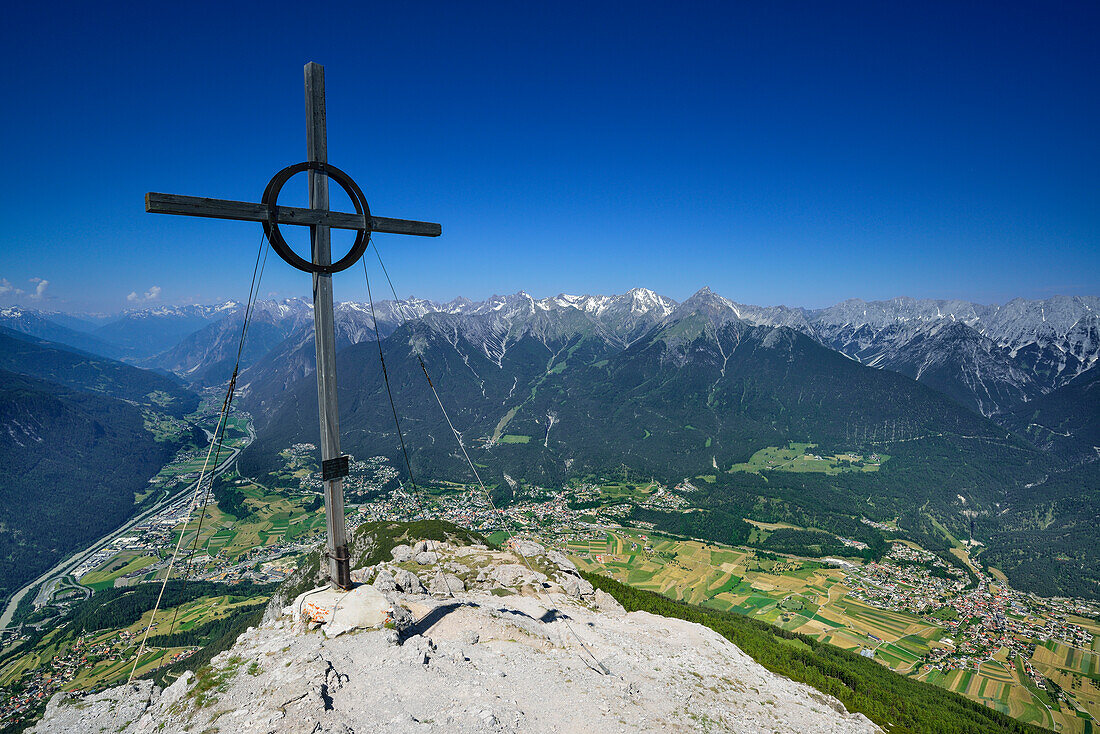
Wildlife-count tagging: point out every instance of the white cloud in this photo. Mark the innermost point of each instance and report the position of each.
(150, 295)
(39, 288)
(11, 294)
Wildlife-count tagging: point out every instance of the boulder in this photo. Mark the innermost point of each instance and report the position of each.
(513, 574)
(560, 560)
(401, 553)
(575, 586)
(526, 548)
(607, 603)
(446, 583)
(426, 558)
(177, 690)
(400, 618)
(385, 582)
(408, 582)
(311, 607)
(364, 607)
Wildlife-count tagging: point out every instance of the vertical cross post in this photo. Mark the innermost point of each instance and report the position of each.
(324, 332)
(334, 465)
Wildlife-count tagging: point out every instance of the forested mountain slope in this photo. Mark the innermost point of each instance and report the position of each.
(55, 363)
(145, 332)
(989, 358)
(72, 463)
(1046, 541)
(207, 356)
(698, 393)
(35, 324)
(1065, 421)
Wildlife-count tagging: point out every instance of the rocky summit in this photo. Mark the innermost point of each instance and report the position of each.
(465, 639)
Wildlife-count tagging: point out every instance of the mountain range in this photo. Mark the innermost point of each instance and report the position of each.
(979, 410)
(544, 392)
(989, 358)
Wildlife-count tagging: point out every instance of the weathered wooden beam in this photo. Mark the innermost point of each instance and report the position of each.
(245, 211)
(325, 331)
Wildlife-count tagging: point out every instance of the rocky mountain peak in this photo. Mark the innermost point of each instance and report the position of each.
(716, 309)
(644, 300)
(704, 300)
(465, 639)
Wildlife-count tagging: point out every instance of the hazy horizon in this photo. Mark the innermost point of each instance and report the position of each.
(151, 305)
(782, 157)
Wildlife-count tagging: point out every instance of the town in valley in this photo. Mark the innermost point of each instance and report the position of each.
(959, 626)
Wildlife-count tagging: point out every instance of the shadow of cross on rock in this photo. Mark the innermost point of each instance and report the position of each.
(425, 624)
(429, 620)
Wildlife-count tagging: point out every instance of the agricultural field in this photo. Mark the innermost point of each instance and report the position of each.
(1004, 687)
(223, 540)
(236, 430)
(1074, 670)
(786, 592)
(811, 598)
(615, 492)
(163, 426)
(120, 565)
(105, 657)
(191, 462)
(800, 457)
(273, 519)
(186, 467)
(761, 530)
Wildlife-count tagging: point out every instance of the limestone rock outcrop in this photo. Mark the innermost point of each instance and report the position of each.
(503, 647)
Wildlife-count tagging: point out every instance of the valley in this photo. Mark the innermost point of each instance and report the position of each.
(173, 489)
(527, 368)
(1032, 658)
(712, 452)
(1035, 659)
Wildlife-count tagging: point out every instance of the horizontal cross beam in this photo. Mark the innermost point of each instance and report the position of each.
(244, 211)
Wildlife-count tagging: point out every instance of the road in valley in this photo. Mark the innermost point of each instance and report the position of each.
(51, 578)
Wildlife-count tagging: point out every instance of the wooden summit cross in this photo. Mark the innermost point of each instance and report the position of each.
(334, 465)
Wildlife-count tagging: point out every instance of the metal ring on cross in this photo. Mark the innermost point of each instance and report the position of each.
(275, 237)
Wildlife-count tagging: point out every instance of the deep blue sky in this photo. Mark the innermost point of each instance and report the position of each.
(777, 152)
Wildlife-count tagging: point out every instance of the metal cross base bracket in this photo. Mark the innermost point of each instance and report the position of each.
(340, 554)
(340, 567)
